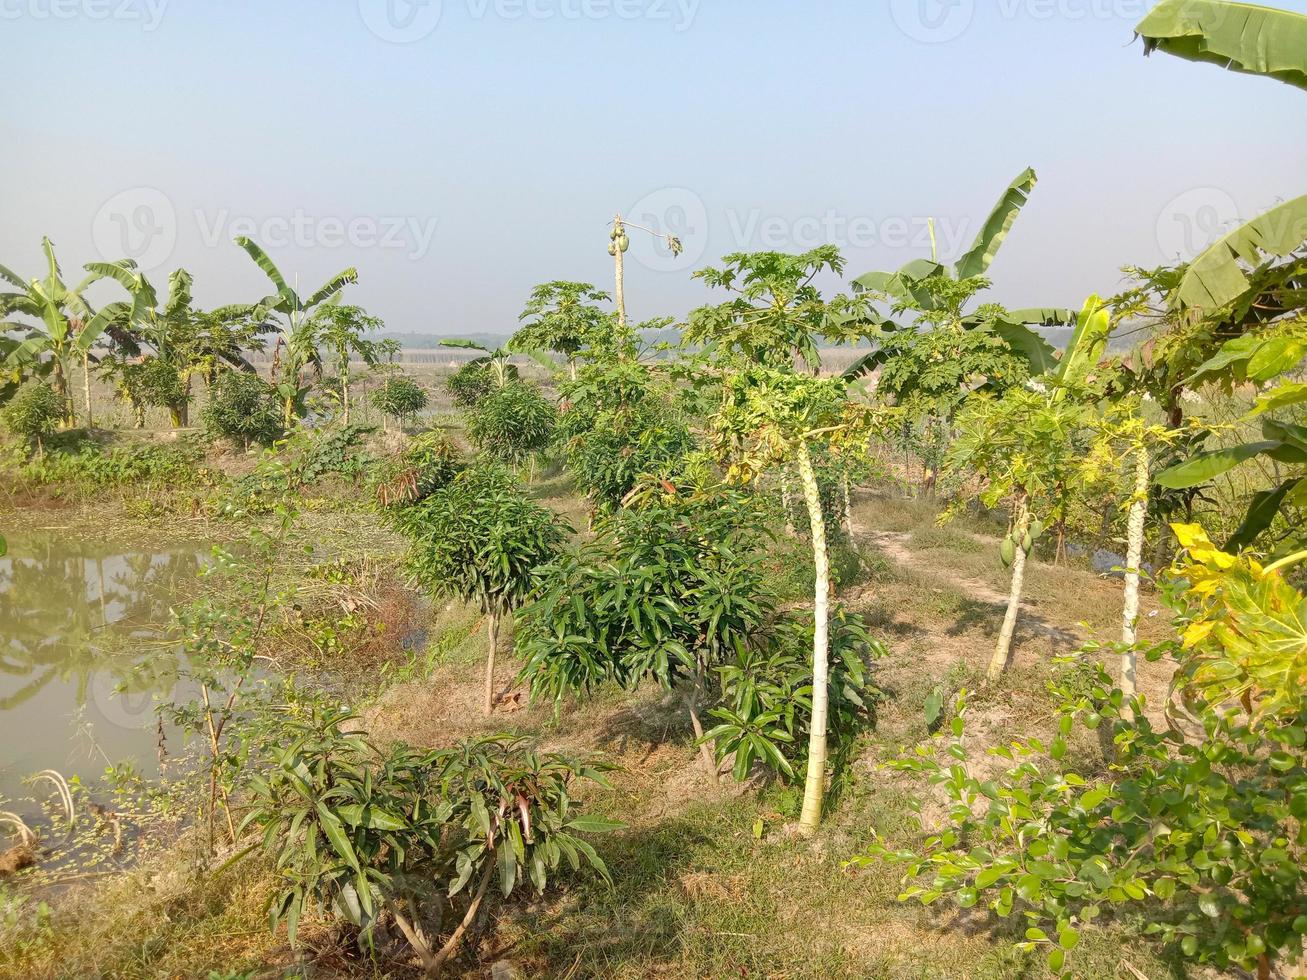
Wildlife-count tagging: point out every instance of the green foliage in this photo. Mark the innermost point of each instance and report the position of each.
(480, 538)
(92, 467)
(666, 590)
(400, 397)
(513, 423)
(244, 408)
(766, 697)
(620, 423)
(470, 383)
(1199, 841)
(357, 832)
(296, 462)
(34, 413)
(428, 463)
(562, 318)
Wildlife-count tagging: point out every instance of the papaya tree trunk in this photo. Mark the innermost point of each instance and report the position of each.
(491, 645)
(619, 266)
(786, 498)
(1133, 559)
(848, 508)
(1003, 649)
(814, 789)
(344, 387)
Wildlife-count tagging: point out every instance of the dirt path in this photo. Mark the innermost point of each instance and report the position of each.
(894, 545)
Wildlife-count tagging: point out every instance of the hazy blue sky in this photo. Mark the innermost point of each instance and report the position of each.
(460, 152)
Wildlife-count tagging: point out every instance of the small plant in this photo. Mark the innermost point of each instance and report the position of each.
(364, 834)
(513, 423)
(481, 539)
(428, 463)
(470, 383)
(400, 398)
(244, 408)
(33, 414)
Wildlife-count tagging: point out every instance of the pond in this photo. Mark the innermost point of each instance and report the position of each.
(83, 653)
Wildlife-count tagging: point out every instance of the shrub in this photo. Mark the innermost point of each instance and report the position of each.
(359, 832)
(244, 408)
(157, 383)
(429, 462)
(623, 445)
(470, 383)
(34, 413)
(92, 467)
(512, 423)
(400, 397)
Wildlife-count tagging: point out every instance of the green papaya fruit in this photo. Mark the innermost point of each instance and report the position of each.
(1027, 542)
(1008, 551)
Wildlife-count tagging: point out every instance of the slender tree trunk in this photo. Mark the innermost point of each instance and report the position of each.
(692, 696)
(61, 389)
(814, 789)
(86, 385)
(619, 264)
(344, 387)
(491, 645)
(848, 508)
(1003, 649)
(1133, 559)
(571, 367)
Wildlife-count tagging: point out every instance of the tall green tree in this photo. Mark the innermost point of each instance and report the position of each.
(341, 329)
(763, 343)
(296, 349)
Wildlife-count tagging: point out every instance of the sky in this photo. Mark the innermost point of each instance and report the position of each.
(457, 152)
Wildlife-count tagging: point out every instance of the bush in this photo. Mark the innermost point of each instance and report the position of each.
(359, 832)
(512, 423)
(400, 397)
(429, 463)
(244, 408)
(158, 383)
(34, 413)
(469, 384)
(622, 445)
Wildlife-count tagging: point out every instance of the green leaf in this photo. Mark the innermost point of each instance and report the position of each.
(1261, 515)
(1216, 278)
(591, 824)
(1207, 466)
(1238, 36)
(997, 226)
(332, 827)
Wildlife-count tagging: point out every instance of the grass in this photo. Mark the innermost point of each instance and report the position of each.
(707, 882)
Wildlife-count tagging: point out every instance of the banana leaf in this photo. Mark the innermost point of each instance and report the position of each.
(997, 226)
(1239, 36)
(1261, 515)
(1216, 278)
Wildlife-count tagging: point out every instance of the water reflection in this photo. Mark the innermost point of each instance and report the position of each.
(83, 652)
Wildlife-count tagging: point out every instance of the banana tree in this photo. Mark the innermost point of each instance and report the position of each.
(187, 340)
(927, 286)
(296, 348)
(66, 332)
(774, 412)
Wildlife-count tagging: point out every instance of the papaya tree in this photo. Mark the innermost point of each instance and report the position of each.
(618, 244)
(296, 349)
(341, 330)
(563, 318)
(773, 412)
(1026, 446)
(480, 538)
